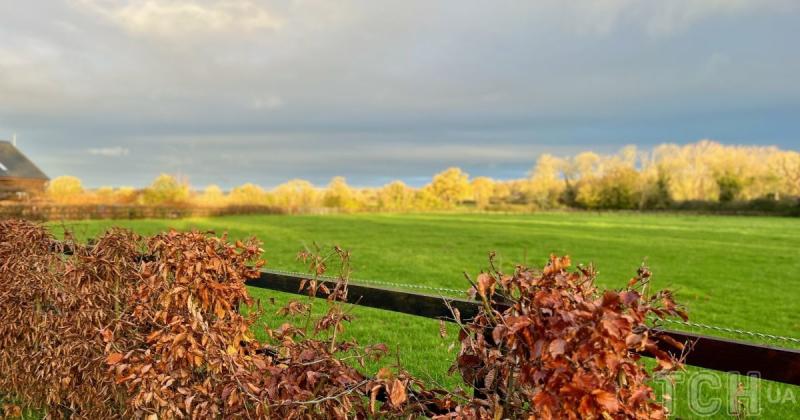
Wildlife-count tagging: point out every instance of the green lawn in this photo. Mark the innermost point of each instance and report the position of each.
(739, 272)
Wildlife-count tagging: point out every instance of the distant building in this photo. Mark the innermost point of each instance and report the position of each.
(19, 177)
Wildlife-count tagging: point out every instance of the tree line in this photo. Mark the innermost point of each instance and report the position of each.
(700, 175)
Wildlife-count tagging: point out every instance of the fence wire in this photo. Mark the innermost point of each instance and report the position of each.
(462, 293)
(743, 333)
(439, 290)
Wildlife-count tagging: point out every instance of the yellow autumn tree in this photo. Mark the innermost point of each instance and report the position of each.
(501, 191)
(166, 190)
(482, 191)
(396, 197)
(604, 181)
(340, 196)
(297, 195)
(546, 182)
(212, 196)
(786, 167)
(65, 190)
(125, 195)
(248, 194)
(451, 186)
(102, 195)
(710, 171)
(425, 200)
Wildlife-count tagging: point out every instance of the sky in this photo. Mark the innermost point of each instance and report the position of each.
(227, 92)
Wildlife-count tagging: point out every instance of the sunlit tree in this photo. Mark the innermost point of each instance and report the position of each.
(166, 189)
(65, 189)
(340, 196)
(605, 181)
(125, 195)
(296, 195)
(482, 191)
(618, 188)
(247, 194)
(425, 199)
(212, 196)
(586, 165)
(104, 195)
(451, 186)
(501, 191)
(396, 196)
(546, 182)
(786, 167)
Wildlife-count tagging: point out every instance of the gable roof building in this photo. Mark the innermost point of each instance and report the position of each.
(18, 175)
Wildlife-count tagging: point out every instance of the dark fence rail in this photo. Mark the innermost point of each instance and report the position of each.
(772, 363)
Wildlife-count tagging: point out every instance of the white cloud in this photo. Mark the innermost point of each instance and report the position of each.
(175, 19)
(109, 151)
(268, 102)
(598, 17)
(656, 18)
(669, 17)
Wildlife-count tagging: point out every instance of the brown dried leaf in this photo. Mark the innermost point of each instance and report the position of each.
(398, 394)
(114, 358)
(557, 347)
(606, 400)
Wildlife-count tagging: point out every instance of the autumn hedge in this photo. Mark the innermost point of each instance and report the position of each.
(152, 327)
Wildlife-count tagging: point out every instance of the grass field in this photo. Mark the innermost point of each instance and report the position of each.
(739, 272)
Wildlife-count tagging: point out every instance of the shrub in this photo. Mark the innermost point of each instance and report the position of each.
(657, 196)
(547, 344)
(730, 186)
(136, 327)
(150, 327)
(52, 310)
(617, 189)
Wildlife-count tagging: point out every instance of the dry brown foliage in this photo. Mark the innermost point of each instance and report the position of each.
(52, 309)
(548, 344)
(135, 327)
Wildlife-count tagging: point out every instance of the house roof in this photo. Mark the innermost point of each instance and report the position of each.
(13, 164)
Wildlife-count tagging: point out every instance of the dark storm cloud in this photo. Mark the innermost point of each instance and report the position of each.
(244, 90)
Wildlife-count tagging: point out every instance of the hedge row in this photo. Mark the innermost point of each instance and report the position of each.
(150, 327)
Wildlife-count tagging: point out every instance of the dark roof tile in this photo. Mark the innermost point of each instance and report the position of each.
(13, 164)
